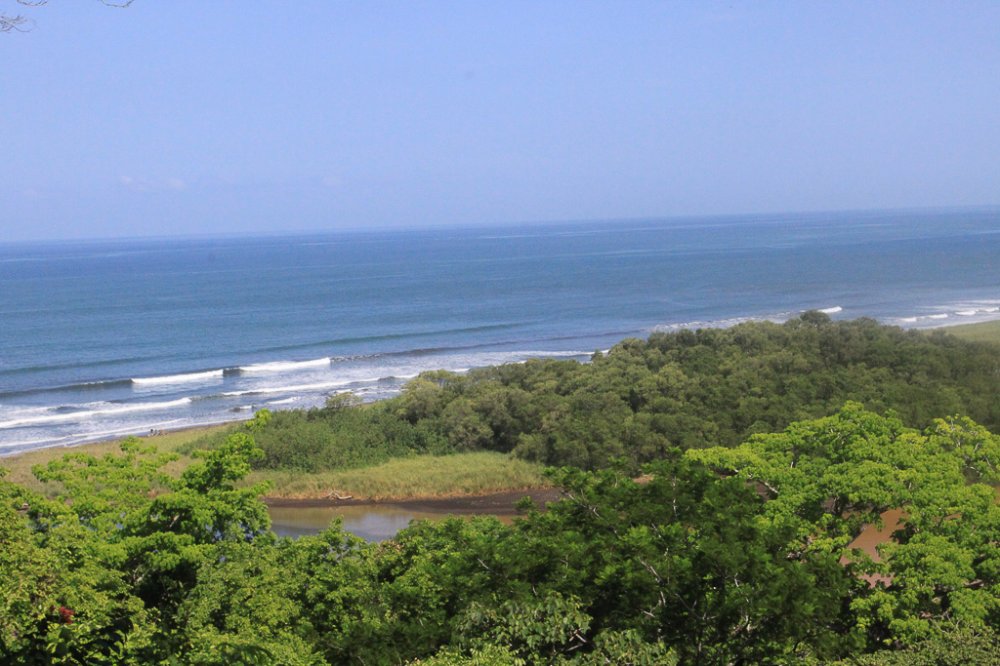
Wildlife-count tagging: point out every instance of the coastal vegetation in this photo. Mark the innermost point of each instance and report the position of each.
(713, 483)
(410, 477)
(986, 331)
(688, 390)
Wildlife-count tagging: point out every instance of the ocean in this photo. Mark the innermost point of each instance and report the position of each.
(100, 339)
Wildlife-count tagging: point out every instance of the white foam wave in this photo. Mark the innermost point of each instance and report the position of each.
(284, 366)
(467, 361)
(291, 388)
(178, 379)
(357, 378)
(777, 318)
(89, 411)
(31, 443)
(553, 354)
(950, 314)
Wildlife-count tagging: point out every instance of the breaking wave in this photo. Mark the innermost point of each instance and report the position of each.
(184, 378)
(284, 366)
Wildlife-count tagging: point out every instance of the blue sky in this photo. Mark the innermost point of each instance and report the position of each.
(191, 117)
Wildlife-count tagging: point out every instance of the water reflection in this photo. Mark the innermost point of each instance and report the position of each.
(378, 522)
(371, 523)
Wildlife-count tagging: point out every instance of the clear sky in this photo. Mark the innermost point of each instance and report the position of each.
(212, 116)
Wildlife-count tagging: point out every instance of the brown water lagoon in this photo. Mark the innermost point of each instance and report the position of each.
(378, 521)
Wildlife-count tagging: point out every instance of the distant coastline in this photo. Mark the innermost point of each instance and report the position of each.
(985, 331)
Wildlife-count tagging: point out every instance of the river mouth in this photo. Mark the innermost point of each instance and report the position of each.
(379, 521)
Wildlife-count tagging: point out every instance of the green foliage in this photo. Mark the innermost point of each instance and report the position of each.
(688, 559)
(947, 646)
(625, 648)
(843, 471)
(242, 608)
(491, 655)
(97, 574)
(539, 629)
(715, 556)
(343, 435)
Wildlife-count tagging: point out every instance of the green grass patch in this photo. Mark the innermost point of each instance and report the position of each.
(987, 331)
(411, 477)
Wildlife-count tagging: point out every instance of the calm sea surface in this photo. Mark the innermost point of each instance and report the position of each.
(99, 339)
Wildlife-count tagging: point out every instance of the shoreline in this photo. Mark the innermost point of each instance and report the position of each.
(143, 436)
(987, 330)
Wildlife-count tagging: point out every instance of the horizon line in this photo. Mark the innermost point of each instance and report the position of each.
(300, 232)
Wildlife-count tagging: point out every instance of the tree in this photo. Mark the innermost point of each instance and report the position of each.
(97, 573)
(842, 472)
(20, 23)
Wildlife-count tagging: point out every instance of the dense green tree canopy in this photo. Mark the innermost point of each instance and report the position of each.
(715, 556)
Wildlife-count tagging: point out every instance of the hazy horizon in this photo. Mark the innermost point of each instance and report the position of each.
(224, 118)
(774, 216)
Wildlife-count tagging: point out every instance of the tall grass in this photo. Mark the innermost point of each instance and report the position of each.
(411, 477)
(987, 331)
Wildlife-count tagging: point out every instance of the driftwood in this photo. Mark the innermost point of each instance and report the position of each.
(337, 496)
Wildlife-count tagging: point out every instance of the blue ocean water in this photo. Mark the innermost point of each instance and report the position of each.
(106, 338)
